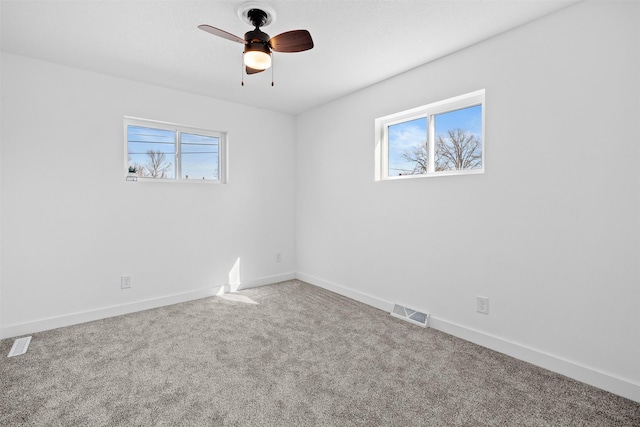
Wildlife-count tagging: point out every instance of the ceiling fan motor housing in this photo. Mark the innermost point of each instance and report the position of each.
(256, 36)
(257, 40)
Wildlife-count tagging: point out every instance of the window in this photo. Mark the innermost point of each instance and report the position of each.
(443, 138)
(157, 150)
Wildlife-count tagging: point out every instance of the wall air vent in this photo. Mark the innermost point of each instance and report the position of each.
(20, 346)
(410, 315)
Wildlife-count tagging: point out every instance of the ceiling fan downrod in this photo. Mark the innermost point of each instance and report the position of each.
(257, 17)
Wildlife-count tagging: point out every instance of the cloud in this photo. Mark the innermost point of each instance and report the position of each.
(404, 136)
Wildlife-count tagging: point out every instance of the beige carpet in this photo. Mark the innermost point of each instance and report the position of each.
(301, 356)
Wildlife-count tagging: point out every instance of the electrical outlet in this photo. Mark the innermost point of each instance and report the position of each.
(482, 305)
(125, 282)
(278, 257)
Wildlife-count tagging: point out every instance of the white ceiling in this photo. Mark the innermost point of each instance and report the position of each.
(357, 43)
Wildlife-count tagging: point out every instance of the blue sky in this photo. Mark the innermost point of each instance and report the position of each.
(199, 156)
(403, 137)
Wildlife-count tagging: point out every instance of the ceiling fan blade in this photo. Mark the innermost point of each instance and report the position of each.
(252, 70)
(221, 33)
(292, 41)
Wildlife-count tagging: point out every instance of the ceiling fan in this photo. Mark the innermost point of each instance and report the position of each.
(257, 44)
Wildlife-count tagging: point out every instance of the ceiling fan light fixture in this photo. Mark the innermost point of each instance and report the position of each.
(257, 56)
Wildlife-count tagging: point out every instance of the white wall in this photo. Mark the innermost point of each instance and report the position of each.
(71, 225)
(550, 233)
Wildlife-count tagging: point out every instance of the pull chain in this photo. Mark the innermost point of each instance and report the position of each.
(272, 62)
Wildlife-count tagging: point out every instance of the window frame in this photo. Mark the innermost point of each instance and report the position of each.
(178, 130)
(429, 112)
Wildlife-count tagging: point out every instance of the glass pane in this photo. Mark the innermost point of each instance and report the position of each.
(151, 151)
(200, 156)
(408, 153)
(458, 139)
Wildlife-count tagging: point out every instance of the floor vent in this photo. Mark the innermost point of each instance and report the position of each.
(410, 315)
(20, 346)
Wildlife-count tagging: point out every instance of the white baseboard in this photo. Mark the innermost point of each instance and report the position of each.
(585, 374)
(46, 324)
(557, 364)
(347, 292)
(268, 280)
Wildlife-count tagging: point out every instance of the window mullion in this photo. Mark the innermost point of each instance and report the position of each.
(178, 160)
(431, 143)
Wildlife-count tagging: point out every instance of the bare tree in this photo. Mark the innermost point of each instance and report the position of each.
(157, 166)
(458, 149)
(419, 156)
